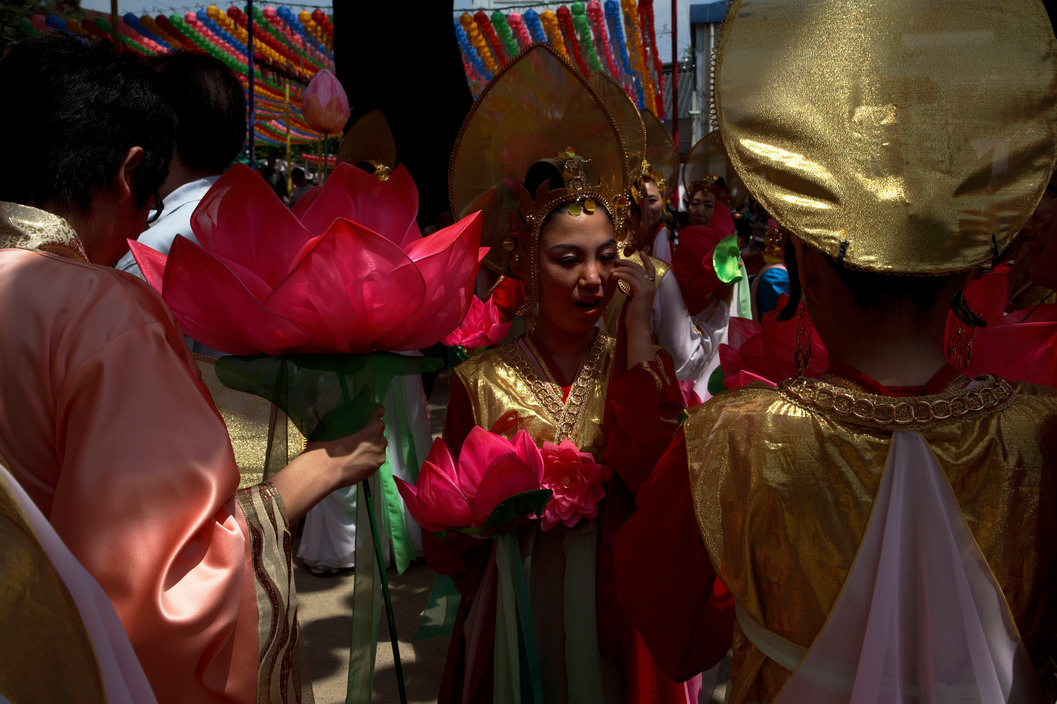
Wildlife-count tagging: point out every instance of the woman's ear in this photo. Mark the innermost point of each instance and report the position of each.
(123, 180)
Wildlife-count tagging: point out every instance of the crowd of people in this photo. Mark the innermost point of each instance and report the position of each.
(877, 529)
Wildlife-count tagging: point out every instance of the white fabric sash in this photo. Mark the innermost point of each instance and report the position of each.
(920, 617)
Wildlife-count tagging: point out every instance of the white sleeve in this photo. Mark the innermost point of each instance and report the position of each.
(676, 332)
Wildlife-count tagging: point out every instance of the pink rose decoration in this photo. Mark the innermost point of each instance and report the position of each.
(576, 480)
(325, 105)
(490, 470)
(482, 326)
(349, 273)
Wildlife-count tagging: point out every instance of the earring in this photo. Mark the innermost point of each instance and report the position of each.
(803, 341)
(515, 261)
(961, 326)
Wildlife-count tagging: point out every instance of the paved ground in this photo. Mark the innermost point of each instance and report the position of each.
(325, 612)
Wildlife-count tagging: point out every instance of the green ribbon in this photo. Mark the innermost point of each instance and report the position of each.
(442, 608)
(517, 670)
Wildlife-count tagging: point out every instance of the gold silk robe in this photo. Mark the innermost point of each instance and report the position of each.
(508, 392)
(784, 482)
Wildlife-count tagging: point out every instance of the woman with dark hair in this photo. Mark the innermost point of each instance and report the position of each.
(565, 379)
(883, 529)
(104, 419)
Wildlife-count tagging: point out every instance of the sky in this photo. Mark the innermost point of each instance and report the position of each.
(661, 9)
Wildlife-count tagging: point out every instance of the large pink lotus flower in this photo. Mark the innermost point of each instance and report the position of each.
(325, 105)
(576, 482)
(351, 274)
(482, 326)
(490, 470)
(766, 351)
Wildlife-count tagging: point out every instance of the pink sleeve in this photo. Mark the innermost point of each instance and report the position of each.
(146, 501)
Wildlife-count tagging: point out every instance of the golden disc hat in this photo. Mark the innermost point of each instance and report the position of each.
(536, 108)
(661, 153)
(706, 163)
(896, 136)
(628, 119)
(370, 140)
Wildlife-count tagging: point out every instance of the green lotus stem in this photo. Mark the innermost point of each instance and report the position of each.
(366, 489)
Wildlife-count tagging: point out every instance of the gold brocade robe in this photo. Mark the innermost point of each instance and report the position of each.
(784, 482)
(508, 392)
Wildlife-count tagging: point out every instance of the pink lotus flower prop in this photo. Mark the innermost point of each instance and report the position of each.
(325, 105)
(351, 273)
(576, 482)
(490, 469)
(482, 326)
(766, 351)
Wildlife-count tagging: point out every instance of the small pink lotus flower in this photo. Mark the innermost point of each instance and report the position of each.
(325, 105)
(490, 470)
(351, 274)
(576, 480)
(482, 326)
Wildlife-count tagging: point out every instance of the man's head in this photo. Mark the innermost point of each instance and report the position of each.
(210, 109)
(81, 106)
(298, 176)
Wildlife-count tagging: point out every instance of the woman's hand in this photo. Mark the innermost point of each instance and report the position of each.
(330, 465)
(638, 318)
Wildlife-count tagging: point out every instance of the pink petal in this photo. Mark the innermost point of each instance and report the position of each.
(308, 198)
(325, 106)
(216, 308)
(478, 451)
(356, 195)
(505, 476)
(529, 453)
(350, 289)
(403, 187)
(151, 262)
(448, 262)
(440, 456)
(241, 220)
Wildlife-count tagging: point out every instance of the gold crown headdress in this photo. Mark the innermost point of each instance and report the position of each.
(773, 243)
(531, 110)
(370, 141)
(896, 136)
(706, 163)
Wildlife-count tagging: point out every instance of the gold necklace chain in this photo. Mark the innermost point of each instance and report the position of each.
(565, 415)
(852, 404)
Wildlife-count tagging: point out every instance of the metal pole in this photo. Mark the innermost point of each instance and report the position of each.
(115, 35)
(249, 55)
(675, 73)
(289, 166)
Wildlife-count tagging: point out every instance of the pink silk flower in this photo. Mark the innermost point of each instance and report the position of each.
(325, 106)
(348, 273)
(490, 469)
(576, 482)
(482, 326)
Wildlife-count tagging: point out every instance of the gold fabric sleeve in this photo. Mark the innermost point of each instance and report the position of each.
(46, 653)
(783, 492)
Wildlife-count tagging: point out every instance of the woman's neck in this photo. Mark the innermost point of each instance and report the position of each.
(567, 349)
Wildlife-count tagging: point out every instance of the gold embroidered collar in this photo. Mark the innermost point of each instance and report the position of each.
(25, 227)
(853, 405)
(565, 414)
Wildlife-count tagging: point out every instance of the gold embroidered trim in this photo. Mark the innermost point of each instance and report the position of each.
(853, 405)
(565, 415)
(24, 227)
(656, 377)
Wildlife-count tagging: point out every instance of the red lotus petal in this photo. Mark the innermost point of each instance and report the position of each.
(350, 288)
(404, 188)
(215, 307)
(440, 456)
(478, 451)
(529, 452)
(241, 220)
(448, 262)
(505, 476)
(441, 498)
(356, 195)
(306, 199)
(151, 262)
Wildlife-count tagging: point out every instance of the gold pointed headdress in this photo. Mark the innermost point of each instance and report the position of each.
(706, 163)
(896, 136)
(370, 141)
(662, 156)
(537, 108)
